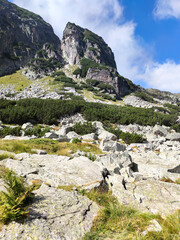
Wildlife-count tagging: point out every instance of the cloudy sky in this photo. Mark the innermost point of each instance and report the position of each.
(143, 34)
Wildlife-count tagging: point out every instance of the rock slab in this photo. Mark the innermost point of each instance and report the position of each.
(55, 214)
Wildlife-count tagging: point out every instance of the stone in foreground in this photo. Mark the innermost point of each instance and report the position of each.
(55, 214)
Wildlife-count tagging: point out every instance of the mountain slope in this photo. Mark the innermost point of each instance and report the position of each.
(22, 34)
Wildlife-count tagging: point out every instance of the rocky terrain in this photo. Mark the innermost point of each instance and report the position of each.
(72, 126)
(137, 174)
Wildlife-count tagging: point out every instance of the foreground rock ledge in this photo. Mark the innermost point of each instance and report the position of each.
(55, 214)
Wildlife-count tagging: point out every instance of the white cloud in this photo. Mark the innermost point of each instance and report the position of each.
(167, 9)
(164, 76)
(105, 17)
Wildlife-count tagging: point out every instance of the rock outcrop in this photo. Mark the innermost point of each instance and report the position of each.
(55, 214)
(78, 42)
(24, 35)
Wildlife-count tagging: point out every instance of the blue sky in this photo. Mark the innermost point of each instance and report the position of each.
(143, 34)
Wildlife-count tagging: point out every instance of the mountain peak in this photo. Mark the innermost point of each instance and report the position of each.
(80, 42)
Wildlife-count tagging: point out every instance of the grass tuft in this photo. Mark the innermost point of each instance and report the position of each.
(116, 221)
(6, 155)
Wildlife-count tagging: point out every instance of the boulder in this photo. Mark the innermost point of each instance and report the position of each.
(115, 161)
(105, 135)
(149, 195)
(173, 137)
(72, 135)
(51, 135)
(62, 138)
(111, 146)
(160, 131)
(91, 136)
(153, 227)
(63, 130)
(54, 214)
(57, 170)
(27, 125)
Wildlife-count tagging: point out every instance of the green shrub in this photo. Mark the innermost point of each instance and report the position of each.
(92, 82)
(16, 131)
(76, 140)
(84, 128)
(14, 199)
(62, 78)
(126, 136)
(37, 131)
(48, 111)
(145, 97)
(86, 63)
(6, 155)
(91, 156)
(58, 73)
(77, 71)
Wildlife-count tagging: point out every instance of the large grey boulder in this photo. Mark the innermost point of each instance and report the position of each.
(63, 130)
(72, 135)
(105, 135)
(51, 135)
(57, 170)
(54, 214)
(149, 195)
(159, 131)
(173, 137)
(111, 146)
(91, 136)
(115, 161)
(27, 125)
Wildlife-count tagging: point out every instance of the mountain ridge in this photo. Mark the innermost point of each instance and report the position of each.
(26, 40)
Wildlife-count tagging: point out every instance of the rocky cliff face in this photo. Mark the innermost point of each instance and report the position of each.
(78, 42)
(22, 35)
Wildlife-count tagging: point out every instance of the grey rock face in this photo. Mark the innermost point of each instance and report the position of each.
(149, 195)
(110, 76)
(159, 130)
(54, 214)
(173, 137)
(57, 170)
(111, 146)
(175, 170)
(115, 161)
(105, 135)
(78, 42)
(22, 34)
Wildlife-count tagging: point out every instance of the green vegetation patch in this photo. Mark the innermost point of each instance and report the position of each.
(126, 136)
(51, 146)
(145, 97)
(6, 155)
(13, 202)
(17, 80)
(16, 131)
(84, 128)
(48, 111)
(88, 63)
(116, 221)
(38, 131)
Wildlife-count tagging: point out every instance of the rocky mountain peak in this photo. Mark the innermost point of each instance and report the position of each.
(80, 42)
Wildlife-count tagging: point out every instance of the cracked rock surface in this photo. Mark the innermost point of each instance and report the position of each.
(55, 214)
